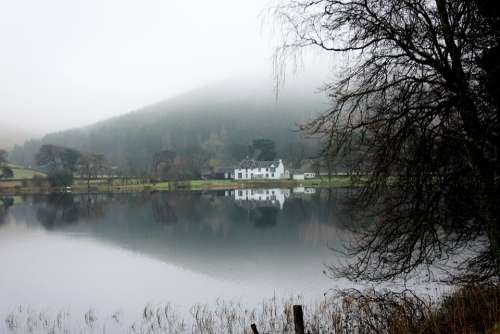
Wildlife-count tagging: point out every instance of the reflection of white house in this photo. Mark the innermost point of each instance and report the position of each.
(252, 169)
(273, 196)
(298, 175)
(303, 190)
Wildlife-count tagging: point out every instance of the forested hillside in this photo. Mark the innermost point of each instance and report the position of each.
(216, 122)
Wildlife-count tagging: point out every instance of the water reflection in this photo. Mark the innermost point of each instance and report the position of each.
(5, 203)
(196, 229)
(62, 209)
(252, 198)
(250, 243)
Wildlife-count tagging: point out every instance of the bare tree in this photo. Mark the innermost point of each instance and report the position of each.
(418, 100)
(3, 157)
(90, 166)
(57, 157)
(162, 163)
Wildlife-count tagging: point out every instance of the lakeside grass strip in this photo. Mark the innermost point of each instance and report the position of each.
(14, 187)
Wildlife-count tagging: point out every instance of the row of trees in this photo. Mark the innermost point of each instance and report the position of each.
(63, 162)
(187, 165)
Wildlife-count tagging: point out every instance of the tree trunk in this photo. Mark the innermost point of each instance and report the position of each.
(88, 182)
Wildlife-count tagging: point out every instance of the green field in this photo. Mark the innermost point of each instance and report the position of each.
(24, 173)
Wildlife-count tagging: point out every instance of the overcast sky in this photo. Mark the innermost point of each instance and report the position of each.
(67, 63)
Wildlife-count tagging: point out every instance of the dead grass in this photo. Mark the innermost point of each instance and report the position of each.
(471, 309)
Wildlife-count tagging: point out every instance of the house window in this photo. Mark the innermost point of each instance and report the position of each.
(272, 175)
(240, 193)
(267, 175)
(240, 175)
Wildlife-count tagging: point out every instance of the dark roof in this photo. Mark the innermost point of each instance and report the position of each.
(224, 170)
(250, 163)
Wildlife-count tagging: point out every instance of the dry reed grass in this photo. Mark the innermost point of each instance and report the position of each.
(470, 309)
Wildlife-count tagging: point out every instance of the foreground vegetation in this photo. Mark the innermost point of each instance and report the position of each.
(470, 309)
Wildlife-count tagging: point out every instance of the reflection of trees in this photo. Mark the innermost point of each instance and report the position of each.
(297, 208)
(334, 206)
(5, 203)
(163, 212)
(59, 210)
(92, 206)
(264, 216)
(65, 209)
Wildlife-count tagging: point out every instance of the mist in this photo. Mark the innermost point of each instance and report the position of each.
(67, 64)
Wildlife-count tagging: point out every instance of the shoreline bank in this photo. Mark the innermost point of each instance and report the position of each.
(26, 186)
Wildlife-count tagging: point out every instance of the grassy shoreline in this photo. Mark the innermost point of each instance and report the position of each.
(466, 310)
(27, 186)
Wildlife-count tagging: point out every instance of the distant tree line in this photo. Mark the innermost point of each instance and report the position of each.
(63, 162)
(5, 170)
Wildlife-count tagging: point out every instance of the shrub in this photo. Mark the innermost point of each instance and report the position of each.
(6, 173)
(60, 178)
(38, 180)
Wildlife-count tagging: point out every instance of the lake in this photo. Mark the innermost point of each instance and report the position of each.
(120, 252)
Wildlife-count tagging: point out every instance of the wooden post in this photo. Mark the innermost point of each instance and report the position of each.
(298, 319)
(254, 329)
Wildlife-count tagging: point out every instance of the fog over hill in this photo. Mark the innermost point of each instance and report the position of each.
(220, 120)
(11, 135)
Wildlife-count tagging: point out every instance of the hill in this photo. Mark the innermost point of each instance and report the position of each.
(219, 120)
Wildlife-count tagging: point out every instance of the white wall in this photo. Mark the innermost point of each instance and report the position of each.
(260, 173)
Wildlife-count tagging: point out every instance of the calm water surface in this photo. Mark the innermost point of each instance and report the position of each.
(122, 251)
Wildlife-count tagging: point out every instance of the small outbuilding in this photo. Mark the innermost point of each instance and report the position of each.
(301, 175)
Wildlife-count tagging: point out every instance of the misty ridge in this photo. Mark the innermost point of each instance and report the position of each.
(220, 120)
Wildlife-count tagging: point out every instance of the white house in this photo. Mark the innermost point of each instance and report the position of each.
(252, 169)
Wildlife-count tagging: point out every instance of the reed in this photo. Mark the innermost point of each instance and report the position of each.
(469, 309)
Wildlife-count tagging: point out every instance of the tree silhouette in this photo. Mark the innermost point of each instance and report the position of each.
(419, 103)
